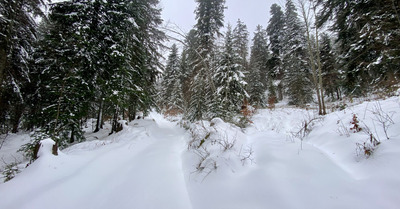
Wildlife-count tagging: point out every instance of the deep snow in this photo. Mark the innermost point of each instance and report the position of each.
(148, 165)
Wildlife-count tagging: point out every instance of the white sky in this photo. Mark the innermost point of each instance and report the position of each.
(251, 12)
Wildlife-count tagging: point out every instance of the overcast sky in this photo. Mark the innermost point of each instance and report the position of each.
(251, 12)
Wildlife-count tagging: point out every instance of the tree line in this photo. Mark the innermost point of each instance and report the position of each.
(320, 48)
(101, 59)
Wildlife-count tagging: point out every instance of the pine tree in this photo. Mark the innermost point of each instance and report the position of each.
(97, 51)
(17, 35)
(64, 91)
(331, 76)
(230, 79)
(257, 78)
(172, 96)
(297, 76)
(275, 33)
(240, 43)
(368, 37)
(209, 16)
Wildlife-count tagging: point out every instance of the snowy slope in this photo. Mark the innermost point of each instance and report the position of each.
(148, 165)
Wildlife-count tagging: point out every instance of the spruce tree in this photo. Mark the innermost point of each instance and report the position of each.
(275, 33)
(297, 74)
(230, 79)
(240, 43)
(331, 75)
(18, 32)
(368, 38)
(172, 96)
(209, 16)
(257, 78)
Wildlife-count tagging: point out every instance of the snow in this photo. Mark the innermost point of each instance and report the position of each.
(148, 165)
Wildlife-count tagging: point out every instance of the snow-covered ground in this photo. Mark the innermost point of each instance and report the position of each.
(148, 165)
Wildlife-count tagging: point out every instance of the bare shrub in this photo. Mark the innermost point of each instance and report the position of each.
(368, 147)
(246, 155)
(383, 118)
(342, 130)
(305, 128)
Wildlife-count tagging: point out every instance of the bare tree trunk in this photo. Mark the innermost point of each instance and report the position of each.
(319, 65)
(312, 58)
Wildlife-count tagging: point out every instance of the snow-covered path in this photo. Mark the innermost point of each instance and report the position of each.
(142, 171)
(148, 166)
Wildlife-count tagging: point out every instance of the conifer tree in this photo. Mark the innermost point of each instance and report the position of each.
(230, 78)
(240, 43)
(297, 74)
(368, 37)
(331, 75)
(257, 78)
(209, 16)
(172, 97)
(18, 31)
(275, 33)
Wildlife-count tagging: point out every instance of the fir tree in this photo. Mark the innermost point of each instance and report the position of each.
(297, 76)
(230, 79)
(18, 32)
(240, 43)
(172, 97)
(257, 78)
(275, 33)
(209, 16)
(331, 76)
(368, 37)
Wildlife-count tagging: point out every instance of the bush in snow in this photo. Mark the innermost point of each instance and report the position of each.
(31, 150)
(10, 171)
(217, 143)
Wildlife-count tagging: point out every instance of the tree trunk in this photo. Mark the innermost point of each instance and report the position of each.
(18, 110)
(99, 123)
(72, 139)
(115, 121)
(3, 60)
(312, 59)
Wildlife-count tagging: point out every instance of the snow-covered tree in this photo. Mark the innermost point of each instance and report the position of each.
(18, 31)
(368, 37)
(210, 17)
(275, 33)
(102, 52)
(172, 96)
(331, 76)
(240, 43)
(257, 77)
(297, 74)
(229, 78)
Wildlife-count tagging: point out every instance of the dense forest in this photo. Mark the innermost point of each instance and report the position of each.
(102, 59)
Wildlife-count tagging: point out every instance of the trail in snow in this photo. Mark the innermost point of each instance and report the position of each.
(130, 174)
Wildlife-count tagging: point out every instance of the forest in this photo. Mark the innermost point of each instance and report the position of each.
(102, 59)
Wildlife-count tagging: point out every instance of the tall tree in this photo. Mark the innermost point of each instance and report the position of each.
(275, 33)
(257, 78)
(297, 74)
(240, 43)
(209, 16)
(230, 78)
(313, 45)
(331, 75)
(17, 34)
(172, 96)
(368, 36)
